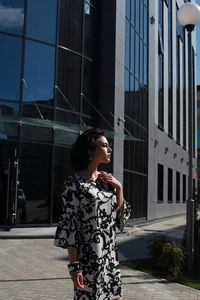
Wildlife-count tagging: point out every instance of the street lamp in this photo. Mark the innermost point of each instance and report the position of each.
(189, 16)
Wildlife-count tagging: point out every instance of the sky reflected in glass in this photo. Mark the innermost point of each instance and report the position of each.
(41, 20)
(12, 16)
(38, 72)
(10, 62)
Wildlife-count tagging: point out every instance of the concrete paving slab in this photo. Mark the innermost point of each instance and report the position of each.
(35, 269)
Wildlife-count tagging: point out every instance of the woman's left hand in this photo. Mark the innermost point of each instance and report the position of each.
(109, 179)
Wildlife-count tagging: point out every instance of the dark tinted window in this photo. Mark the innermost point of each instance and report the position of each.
(9, 108)
(170, 185)
(35, 180)
(61, 171)
(12, 16)
(184, 188)
(177, 187)
(39, 67)
(10, 62)
(41, 20)
(70, 24)
(69, 81)
(88, 31)
(160, 182)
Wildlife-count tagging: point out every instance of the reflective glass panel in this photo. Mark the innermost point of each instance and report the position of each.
(35, 110)
(62, 169)
(128, 8)
(9, 108)
(132, 50)
(8, 130)
(68, 92)
(35, 181)
(10, 62)
(127, 45)
(12, 16)
(38, 83)
(70, 24)
(88, 30)
(41, 20)
(36, 133)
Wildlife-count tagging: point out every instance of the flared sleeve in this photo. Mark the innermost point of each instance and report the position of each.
(68, 228)
(123, 215)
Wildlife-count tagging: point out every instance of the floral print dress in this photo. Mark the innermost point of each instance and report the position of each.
(89, 220)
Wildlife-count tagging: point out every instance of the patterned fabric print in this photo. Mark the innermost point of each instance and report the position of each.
(89, 221)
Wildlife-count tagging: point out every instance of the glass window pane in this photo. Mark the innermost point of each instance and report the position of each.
(141, 19)
(126, 83)
(128, 8)
(36, 133)
(137, 53)
(62, 169)
(8, 124)
(35, 180)
(127, 45)
(145, 65)
(141, 60)
(8, 130)
(137, 14)
(132, 50)
(145, 25)
(9, 108)
(41, 20)
(35, 110)
(68, 82)
(10, 62)
(132, 11)
(12, 16)
(70, 24)
(38, 72)
(88, 30)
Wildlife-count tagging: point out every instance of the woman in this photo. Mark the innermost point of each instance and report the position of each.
(93, 207)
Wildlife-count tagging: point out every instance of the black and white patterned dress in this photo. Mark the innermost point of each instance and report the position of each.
(88, 223)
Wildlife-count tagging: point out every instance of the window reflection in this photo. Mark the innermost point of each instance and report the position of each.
(38, 83)
(35, 180)
(87, 7)
(38, 109)
(10, 62)
(12, 16)
(36, 133)
(88, 29)
(68, 81)
(38, 26)
(127, 54)
(61, 171)
(70, 24)
(9, 108)
(8, 129)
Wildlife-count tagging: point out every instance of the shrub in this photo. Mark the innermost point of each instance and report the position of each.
(166, 255)
(155, 246)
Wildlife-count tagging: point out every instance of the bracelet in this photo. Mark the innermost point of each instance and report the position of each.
(74, 267)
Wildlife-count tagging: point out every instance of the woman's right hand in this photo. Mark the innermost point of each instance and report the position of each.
(78, 280)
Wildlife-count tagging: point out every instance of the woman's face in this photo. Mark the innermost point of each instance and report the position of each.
(102, 153)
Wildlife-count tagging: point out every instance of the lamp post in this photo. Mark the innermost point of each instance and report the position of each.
(189, 16)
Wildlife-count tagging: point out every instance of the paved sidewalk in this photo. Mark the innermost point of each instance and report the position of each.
(37, 270)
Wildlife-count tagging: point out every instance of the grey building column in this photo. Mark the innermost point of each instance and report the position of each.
(118, 162)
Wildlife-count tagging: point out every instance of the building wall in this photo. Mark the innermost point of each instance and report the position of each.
(163, 149)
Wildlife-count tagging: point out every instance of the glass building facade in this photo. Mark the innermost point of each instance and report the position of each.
(46, 75)
(136, 106)
(68, 65)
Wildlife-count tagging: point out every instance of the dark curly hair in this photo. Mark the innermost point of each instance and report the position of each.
(84, 148)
